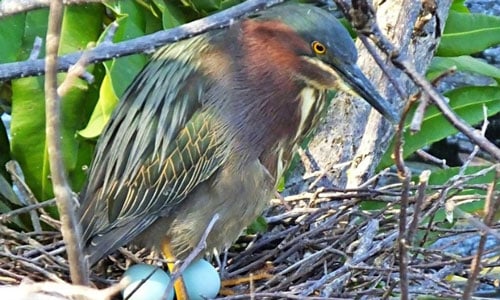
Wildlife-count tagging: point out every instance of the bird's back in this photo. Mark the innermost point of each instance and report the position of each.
(155, 149)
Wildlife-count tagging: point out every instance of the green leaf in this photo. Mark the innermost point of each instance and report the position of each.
(467, 102)
(28, 113)
(11, 39)
(119, 72)
(172, 15)
(225, 4)
(28, 134)
(8, 202)
(35, 25)
(459, 6)
(469, 33)
(258, 226)
(80, 26)
(132, 24)
(207, 6)
(102, 111)
(461, 63)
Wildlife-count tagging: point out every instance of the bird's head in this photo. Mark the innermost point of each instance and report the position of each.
(324, 55)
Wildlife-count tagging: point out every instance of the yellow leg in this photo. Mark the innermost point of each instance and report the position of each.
(179, 287)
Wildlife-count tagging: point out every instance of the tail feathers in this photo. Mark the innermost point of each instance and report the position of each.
(102, 244)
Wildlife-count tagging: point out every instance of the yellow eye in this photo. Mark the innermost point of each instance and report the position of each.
(318, 47)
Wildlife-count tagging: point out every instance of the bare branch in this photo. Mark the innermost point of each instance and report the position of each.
(62, 190)
(12, 7)
(145, 44)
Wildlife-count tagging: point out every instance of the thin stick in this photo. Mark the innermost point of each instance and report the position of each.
(491, 206)
(11, 7)
(7, 216)
(63, 194)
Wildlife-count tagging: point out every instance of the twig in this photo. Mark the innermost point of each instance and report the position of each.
(405, 177)
(362, 18)
(108, 51)
(418, 116)
(381, 245)
(6, 216)
(33, 267)
(52, 290)
(75, 72)
(37, 45)
(11, 7)
(25, 194)
(366, 242)
(419, 202)
(444, 107)
(428, 157)
(277, 295)
(63, 194)
(491, 205)
(475, 150)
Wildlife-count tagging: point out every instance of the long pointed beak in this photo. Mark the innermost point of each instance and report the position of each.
(362, 87)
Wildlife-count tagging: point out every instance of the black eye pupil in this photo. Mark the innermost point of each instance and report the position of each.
(319, 48)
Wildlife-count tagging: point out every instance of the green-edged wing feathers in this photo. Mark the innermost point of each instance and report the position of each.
(159, 145)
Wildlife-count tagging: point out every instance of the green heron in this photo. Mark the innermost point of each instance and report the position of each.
(208, 127)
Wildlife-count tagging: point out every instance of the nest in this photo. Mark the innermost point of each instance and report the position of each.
(318, 245)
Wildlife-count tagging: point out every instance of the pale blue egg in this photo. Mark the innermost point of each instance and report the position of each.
(153, 289)
(202, 280)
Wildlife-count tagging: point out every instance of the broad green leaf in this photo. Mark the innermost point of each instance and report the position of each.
(467, 102)
(35, 25)
(119, 72)
(131, 24)
(225, 4)
(461, 63)
(12, 29)
(28, 134)
(206, 6)
(153, 22)
(102, 111)
(469, 33)
(172, 15)
(79, 175)
(80, 26)
(28, 114)
(459, 6)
